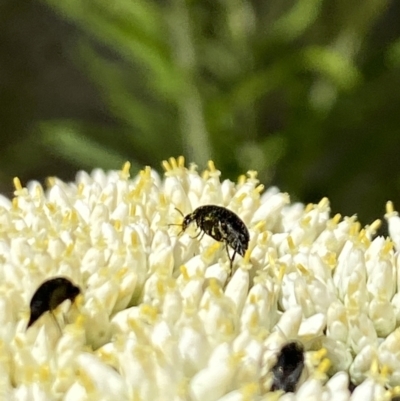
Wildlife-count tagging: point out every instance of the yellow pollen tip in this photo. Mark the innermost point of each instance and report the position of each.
(336, 218)
(211, 166)
(324, 202)
(324, 366)
(282, 271)
(211, 250)
(374, 369)
(390, 208)
(302, 269)
(121, 273)
(355, 228)
(260, 226)
(166, 166)
(50, 182)
(184, 272)
(17, 184)
(395, 391)
(181, 161)
(78, 301)
(241, 179)
(148, 311)
(132, 210)
(117, 225)
(80, 321)
(305, 222)
(259, 188)
(252, 299)
(249, 390)
(388, 247)
(134, 239)
(44, 373)
(385, 371)
(241, 198)
(86, 381)
(309, 207)
(320, 354)
(375, 225)
(236, 358)
(125, 170)
(214, 287)
(173, 163)
(291, 244)
(247, 256)
(69, 249)
(271, 259)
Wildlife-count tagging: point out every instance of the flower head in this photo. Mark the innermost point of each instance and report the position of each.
(164, 316)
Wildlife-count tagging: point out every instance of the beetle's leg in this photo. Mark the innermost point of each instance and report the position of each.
(56, 321)
(198, 235)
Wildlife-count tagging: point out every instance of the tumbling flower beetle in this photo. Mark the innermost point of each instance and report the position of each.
(49, 295)
(221, 224)
(288, 368)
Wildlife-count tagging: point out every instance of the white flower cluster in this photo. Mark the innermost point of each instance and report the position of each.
(161, 317)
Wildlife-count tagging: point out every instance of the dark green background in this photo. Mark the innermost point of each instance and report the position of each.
(307, 92)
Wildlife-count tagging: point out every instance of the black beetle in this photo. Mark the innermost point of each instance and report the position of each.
(221, 224)
(49, 295)
(288, 368)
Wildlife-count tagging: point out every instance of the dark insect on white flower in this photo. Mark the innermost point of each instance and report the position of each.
(49, 295)
(221, 224)
(288, 368)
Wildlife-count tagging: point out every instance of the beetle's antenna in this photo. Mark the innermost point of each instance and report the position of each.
(175, 224)
(179, 212)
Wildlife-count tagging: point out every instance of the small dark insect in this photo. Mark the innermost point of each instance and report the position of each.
(288, 368)
(49, 295)
(221, 224)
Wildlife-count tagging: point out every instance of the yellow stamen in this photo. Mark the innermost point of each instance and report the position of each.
(50, 182)
(390, 208)
(282, 271)
(324, 366)
(173, 163)
(373, 227)
(302, 269)
(211, 166)
(250, 390)
(387, 247)
(80, 189)
(149, 312)
(336, 218)
(259, 188)
(166, 166)
(305, 222)
(241, 179)
(184, 273)
(44, 373)
(309, 207)
(125, 170)
(135, 239)
(181, 161)
(214, 287)
(260, 226)
(17, 184)
(323, 203)
(292, 246)
(246, 259)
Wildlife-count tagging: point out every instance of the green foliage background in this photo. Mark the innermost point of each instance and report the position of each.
(306, 92)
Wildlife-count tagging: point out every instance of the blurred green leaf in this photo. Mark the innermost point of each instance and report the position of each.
(66, 140)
